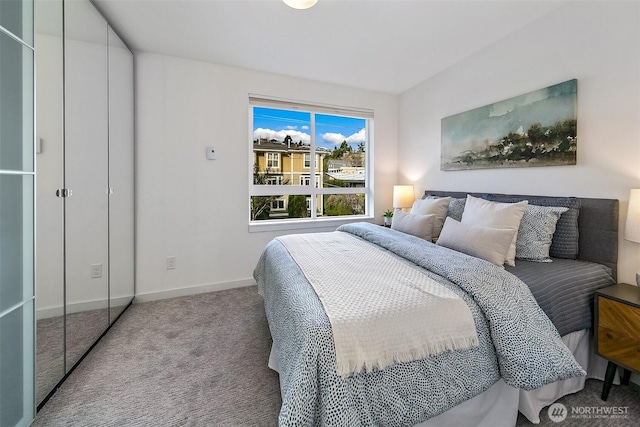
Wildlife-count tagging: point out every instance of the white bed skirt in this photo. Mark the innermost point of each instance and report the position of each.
(499, 405)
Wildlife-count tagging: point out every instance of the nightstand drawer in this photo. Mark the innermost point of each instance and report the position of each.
(619, 332)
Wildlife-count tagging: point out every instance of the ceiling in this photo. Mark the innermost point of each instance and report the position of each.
(382, 45)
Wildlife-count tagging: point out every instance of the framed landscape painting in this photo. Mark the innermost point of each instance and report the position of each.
(534, 129)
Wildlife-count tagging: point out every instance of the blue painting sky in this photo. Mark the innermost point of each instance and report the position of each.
(330, 130)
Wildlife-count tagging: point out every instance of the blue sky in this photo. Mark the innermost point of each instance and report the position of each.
(330, 130)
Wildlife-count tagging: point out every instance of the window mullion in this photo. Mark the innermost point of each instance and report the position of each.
(312, 167)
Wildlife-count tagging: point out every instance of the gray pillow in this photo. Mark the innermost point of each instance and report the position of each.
(456, 207)
(417, 225)
(536, 232)
(565, 239)
(490, 244)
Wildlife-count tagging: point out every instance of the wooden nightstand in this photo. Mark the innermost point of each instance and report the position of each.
(617, 312)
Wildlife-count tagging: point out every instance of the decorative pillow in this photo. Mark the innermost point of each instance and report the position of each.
(417, 225)
(437, 207)
(456, 208)
(483, 213)
(536, 231)
(490, 244)
(565, 238)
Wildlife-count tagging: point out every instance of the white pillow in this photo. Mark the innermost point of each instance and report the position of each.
(490, 244)
(483, 213)
(417, 225)
(437, 207)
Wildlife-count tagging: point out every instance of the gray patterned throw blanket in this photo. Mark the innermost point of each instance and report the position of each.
(517, 341)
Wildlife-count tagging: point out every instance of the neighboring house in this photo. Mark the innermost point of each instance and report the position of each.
(351, 176)
(335, 166)
(279, 163)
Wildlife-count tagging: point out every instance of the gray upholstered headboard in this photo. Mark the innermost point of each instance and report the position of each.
(597, 226)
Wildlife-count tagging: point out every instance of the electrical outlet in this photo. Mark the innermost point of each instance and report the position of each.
(96, 271)
(171, 263)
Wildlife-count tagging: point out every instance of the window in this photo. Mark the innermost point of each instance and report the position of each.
(273, 160)
(277, 204)
(306, 180)
(273, 180)
(308, 161)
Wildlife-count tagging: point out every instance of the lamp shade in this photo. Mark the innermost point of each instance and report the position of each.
(300, 4)
(632, 229)
(403, 196)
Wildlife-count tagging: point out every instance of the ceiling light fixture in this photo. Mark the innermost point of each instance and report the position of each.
(300, 4)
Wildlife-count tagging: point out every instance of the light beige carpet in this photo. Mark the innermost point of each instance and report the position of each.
(202, 361)
(192, 361)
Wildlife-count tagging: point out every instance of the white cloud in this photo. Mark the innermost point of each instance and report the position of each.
(305, 127)
(337, 138)
(333, 138)
(356, 138)
(279, 135)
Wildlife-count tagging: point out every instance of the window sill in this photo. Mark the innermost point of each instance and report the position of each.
(304, 224)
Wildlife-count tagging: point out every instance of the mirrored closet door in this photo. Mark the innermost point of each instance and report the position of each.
(86, 177)
(85, 172)
(49, 207)
(121, 152)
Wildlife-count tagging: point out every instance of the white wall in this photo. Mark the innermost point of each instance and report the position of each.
(197, 209)
(596, 42)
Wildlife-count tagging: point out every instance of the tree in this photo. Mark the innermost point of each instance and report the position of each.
(297, 206)
(261, 205)
(344, 204)
(339, 152)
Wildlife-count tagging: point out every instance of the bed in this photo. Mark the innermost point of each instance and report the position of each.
(531, 323)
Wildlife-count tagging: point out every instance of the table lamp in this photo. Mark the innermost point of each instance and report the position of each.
(403, 196)
(632, 229)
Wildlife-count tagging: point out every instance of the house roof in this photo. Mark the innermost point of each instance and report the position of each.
(274, 145)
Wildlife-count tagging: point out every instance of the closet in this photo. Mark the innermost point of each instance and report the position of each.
(84, 184)
(16, 213)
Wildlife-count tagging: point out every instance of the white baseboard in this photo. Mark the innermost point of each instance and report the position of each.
(192, 290)
(45, 313)
(151, 296)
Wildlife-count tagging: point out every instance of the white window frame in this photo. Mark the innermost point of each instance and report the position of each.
(306, 160)
(311, 191)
